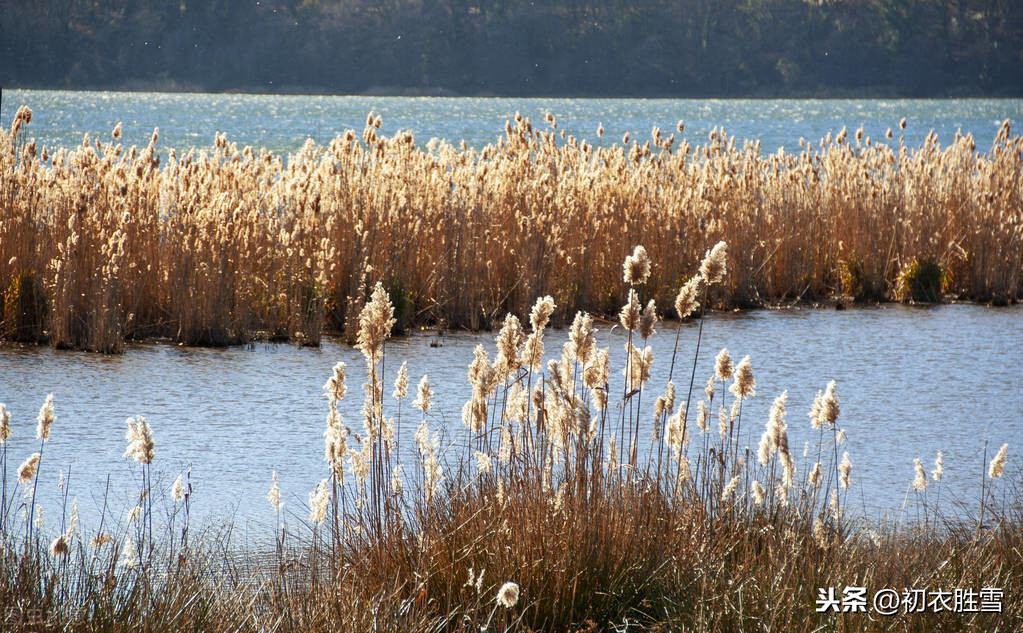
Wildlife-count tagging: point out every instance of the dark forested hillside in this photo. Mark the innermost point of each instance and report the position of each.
(520, 47)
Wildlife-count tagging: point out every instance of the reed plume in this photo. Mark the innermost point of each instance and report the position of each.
(744, 385)
(140, 440)
(45, 419)
(920, 480)
(508, 595)
(844, 469)
(939, 468)
(27, 470)
(273, 495)
(424, 395)
(997, 466)
(5, 424)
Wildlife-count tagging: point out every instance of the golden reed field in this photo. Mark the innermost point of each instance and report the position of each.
(102, 244)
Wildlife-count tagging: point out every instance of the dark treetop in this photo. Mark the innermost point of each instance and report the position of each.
(520, 47)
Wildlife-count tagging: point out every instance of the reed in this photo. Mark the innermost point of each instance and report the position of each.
(552, 512)
(102, 244)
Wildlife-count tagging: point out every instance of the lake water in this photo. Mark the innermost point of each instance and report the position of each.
(283, 123)
(912, 380)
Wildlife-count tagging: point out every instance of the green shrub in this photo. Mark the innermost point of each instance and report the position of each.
(858, 282)
(403, 306)
(922, 281)
(24, 309)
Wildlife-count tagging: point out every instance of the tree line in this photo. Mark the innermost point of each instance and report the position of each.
(825, 48)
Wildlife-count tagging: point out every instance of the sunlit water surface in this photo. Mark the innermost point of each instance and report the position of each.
(912, 380)
(281, 123)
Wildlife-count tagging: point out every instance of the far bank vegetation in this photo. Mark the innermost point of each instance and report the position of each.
(104, 244)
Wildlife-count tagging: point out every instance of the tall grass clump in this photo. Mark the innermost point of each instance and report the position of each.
(101, 244)
(569, 500)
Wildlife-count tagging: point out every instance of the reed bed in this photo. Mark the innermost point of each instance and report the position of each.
(560, 507)
(102, 244)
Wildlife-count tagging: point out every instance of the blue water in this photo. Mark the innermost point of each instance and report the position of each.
(912, 381)
(281, 124)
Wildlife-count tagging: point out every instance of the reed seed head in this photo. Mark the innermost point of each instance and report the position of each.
(637, 266)
(5, 424)
(630, 314)
(583, 337)
(375, 323)
(701, 416)
(508, 595)
(59, 546)
(723, 368)
(726, 494)
(843, 470)
(998, 463)
(129, 557)
(319, 499)
(815, 410)
(764, 448)
(401, 382)
(939, 469)
(920, 480)
(178, 490)
(482, 376)
(597, 371)
(687, 299)
(22, 117)
(758, 492)
(744, 385)
(335, 386)
(820, 534)
(714, 265)
(274, 494)
(637, 371)
(423, 395)
(648, 320)
(396, 480)
(28, 468)
(674, 432)
(335, 441)
(541, 313)
(140, 440)
(815, 475)
(509, 340)
(532, 351)
(829, 408)
(483, 463)
(45, 419)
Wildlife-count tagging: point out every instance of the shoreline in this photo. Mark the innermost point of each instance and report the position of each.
(838, 303)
